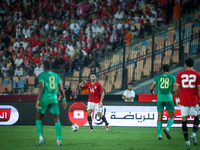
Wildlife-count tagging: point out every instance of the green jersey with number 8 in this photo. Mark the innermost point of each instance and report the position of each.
(165, 87)
(51, 81)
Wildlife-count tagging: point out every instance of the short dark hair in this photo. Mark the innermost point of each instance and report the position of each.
(130, 84)
(47, 65)
(189, 62)
(93, 73)
(165, 68)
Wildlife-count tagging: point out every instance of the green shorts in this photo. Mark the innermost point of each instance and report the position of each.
(53, 108)
(169, 106)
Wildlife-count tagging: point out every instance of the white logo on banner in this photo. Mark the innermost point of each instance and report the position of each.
(8, 115)
(78, 114)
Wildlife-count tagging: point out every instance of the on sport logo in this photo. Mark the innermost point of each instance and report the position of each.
(8, 115)
(5, 114)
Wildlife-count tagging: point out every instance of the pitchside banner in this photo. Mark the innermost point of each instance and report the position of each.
(144, 116)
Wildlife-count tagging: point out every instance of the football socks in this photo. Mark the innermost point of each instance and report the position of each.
(58, 130)
(90, 122)
(185, 130)
(159, 128)
(169, 124)
(196, 124)
(39, 127)
(104, 120)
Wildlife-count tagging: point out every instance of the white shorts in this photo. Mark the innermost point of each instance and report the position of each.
(190, 110)
(91, 105)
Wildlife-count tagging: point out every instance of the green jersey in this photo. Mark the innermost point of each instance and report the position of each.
(165, 87)
(51, 81)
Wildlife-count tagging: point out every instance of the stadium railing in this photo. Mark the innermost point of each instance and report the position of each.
(141, 61)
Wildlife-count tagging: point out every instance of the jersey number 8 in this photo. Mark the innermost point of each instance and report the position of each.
(52, 82)
(190, 79)
(164, 83)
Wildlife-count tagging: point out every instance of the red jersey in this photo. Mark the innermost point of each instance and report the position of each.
(95, 91)
(189, 81)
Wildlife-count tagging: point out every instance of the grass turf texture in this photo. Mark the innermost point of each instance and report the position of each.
(123, 138)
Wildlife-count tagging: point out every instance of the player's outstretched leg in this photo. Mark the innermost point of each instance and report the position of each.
(195, 128)
(40, 132)
(169, 124)
(90, 123)
(185, 132)
(106, 123)
(159, 129)
(58, 133)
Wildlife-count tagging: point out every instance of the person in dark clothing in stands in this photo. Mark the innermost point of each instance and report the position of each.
(59, 62)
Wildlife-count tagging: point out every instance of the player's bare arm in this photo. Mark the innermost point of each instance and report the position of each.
(102, 97)
(152, 87)
(64, 103)
(41, 87)
(176, 91)
(81, 86)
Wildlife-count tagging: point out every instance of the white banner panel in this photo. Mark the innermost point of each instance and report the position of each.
(144, 116)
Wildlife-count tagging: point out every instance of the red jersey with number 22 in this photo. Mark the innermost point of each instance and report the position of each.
(189, 81)
(95, 91)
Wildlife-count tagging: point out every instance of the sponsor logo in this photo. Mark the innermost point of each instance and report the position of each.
(144, 116)
(5, 114)
(8, 115)
(78, 113)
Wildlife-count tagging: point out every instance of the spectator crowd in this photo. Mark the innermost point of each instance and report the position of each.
(67, 32)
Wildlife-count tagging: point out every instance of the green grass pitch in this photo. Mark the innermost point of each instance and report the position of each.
(117, 138)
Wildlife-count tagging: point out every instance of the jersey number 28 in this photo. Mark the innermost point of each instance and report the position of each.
(188, 78)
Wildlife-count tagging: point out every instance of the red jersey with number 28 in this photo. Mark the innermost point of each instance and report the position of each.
(189, 81)
(95, 91)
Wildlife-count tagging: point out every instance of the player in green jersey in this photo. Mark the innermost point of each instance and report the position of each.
(165, 84)
(47, 99)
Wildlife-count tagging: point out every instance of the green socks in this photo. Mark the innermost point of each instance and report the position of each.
(169, 124)
(159, 128)
(58, 130)
(39, 127)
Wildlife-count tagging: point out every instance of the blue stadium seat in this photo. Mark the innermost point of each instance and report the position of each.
(5, 82)
(177, 29)
(193, 49)
(21, 84)
(145, 43)
(14, 83)
(194, 43)
(159, 52)
(197, 24)
(162, 34)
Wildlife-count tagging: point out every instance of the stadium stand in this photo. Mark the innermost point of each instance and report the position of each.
(35, 32)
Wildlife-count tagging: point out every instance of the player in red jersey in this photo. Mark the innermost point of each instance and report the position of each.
(189, 83)
(96, 95)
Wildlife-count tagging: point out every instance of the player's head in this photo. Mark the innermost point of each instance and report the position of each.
(93, 76)
(130, 86)
(47, 65)
(165, 68)
(189, 62)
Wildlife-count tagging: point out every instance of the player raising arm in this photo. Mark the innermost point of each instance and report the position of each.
(47, 99)
(189, 83)
(95, 100)
(165, 84)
